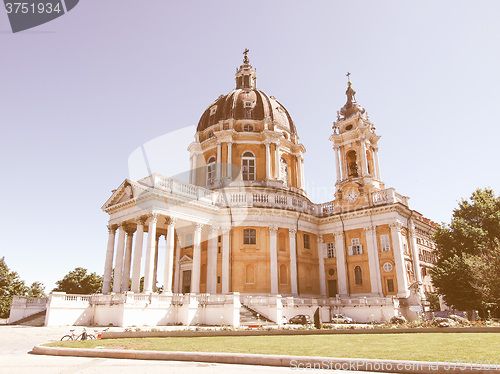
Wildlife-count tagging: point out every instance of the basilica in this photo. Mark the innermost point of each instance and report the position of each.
(242, 234)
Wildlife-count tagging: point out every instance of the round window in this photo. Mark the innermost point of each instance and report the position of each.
(348, 127)
(331, 272)
(387, 267)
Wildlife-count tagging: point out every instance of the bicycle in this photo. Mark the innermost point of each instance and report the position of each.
(97, 334)
(73, 336)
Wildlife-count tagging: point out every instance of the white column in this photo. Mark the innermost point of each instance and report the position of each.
(120, 249)
(229, 160)
(212, 260)
(321, 257)
(293, 260)
(399, 259)
(136, 267)
(150, 258)
(299, 172)
(302, 179)
(177, 266)
(277, 161)
(377, 165)
(337, 163)
(192, 169)
(169, 257)
(268, 161)
(364, 169)
(195, 273)
(225, 260)
(415, 256)
(108, 264)
(373, 260)
(127, 262)
(273, 259)
(155, 271)
(195, 158)
(218, 165)
(341, 263)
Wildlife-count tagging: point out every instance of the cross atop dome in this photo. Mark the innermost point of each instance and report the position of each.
(246, 77)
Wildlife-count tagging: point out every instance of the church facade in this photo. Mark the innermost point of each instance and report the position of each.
(243, 227)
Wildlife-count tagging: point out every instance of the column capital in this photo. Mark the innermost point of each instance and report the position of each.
(198, 227)
(320, 238)
(140, 220)
(292, 232)
(273, 230)
(214, 230)
(396, 226)
(369, 229)
(153, 217)
(338, 234)
(336, 147)
(171, 221)
(226, 230)
(111, 228)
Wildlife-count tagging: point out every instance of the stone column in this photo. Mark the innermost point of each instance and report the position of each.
(195, 159)
(218, 165)
(364, 169)
(273, 261)
(169, 257)
(108, 264)
(373, 260)
(302, 179)
(229, 161)
(150, 258)
(268, 160)
(225, 259)
(415, 257)
(120, 249)
(377, 165)
(212, 261)
(299, 173)
(277, 161)
(337, 163)
(399, 259)
(195, 274)
(136, 268)
(192, 169)
(177, 266)
(341, 263)
(321, 257)
(293, 260)
(127, 262)
(155, 271)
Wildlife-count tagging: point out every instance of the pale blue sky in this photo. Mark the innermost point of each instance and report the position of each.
(79, 94)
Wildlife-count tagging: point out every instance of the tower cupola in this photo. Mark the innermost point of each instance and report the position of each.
(246, 77)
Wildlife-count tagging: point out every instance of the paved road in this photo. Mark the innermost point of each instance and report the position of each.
(17, 341)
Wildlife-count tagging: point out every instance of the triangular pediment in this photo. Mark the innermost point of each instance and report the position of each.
(185, 259)
(128, 190)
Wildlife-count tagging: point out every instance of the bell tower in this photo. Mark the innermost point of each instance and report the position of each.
(355, 144)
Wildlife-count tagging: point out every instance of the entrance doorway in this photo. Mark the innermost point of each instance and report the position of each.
(332, 287)
(186, 281)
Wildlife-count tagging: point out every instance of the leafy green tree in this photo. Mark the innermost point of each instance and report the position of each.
(10, 285)
(468, 254)
(36, 289)
(79, 282)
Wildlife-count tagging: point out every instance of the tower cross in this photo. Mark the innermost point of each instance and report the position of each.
(246, 51)
(348, 75)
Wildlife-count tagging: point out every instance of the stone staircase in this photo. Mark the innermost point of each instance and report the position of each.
(37, 319)
(250, 317)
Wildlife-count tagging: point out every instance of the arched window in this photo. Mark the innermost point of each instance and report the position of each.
(211, 170)
(250, 274)
(284, 171)
(358, 276)
(352, 166)
(283, 274)
(248, 166)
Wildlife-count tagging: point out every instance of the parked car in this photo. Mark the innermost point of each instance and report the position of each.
(300, 319)
(340, 318)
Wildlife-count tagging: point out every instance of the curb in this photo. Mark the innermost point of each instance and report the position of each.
(292, 362)
(205, 333)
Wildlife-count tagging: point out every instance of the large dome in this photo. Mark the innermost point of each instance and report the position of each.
(247, 103)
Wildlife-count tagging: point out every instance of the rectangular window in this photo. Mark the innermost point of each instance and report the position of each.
(355, 248)
(249, 236)
(307, 243)
(218, 279)
(330, 250)
(219, 238)
(385, 243)
(218, 251)
(390, 285)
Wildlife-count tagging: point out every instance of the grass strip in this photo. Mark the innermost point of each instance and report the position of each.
(419, 347)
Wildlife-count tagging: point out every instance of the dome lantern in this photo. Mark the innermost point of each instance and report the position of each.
(246, 77)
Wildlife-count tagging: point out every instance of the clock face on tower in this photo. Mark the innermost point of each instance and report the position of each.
(351, 196)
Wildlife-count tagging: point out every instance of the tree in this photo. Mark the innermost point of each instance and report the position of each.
(467, 272)
(79, 282)
(36, 289)
(10, 285)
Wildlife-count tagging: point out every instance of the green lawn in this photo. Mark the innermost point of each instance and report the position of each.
(419, 347)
